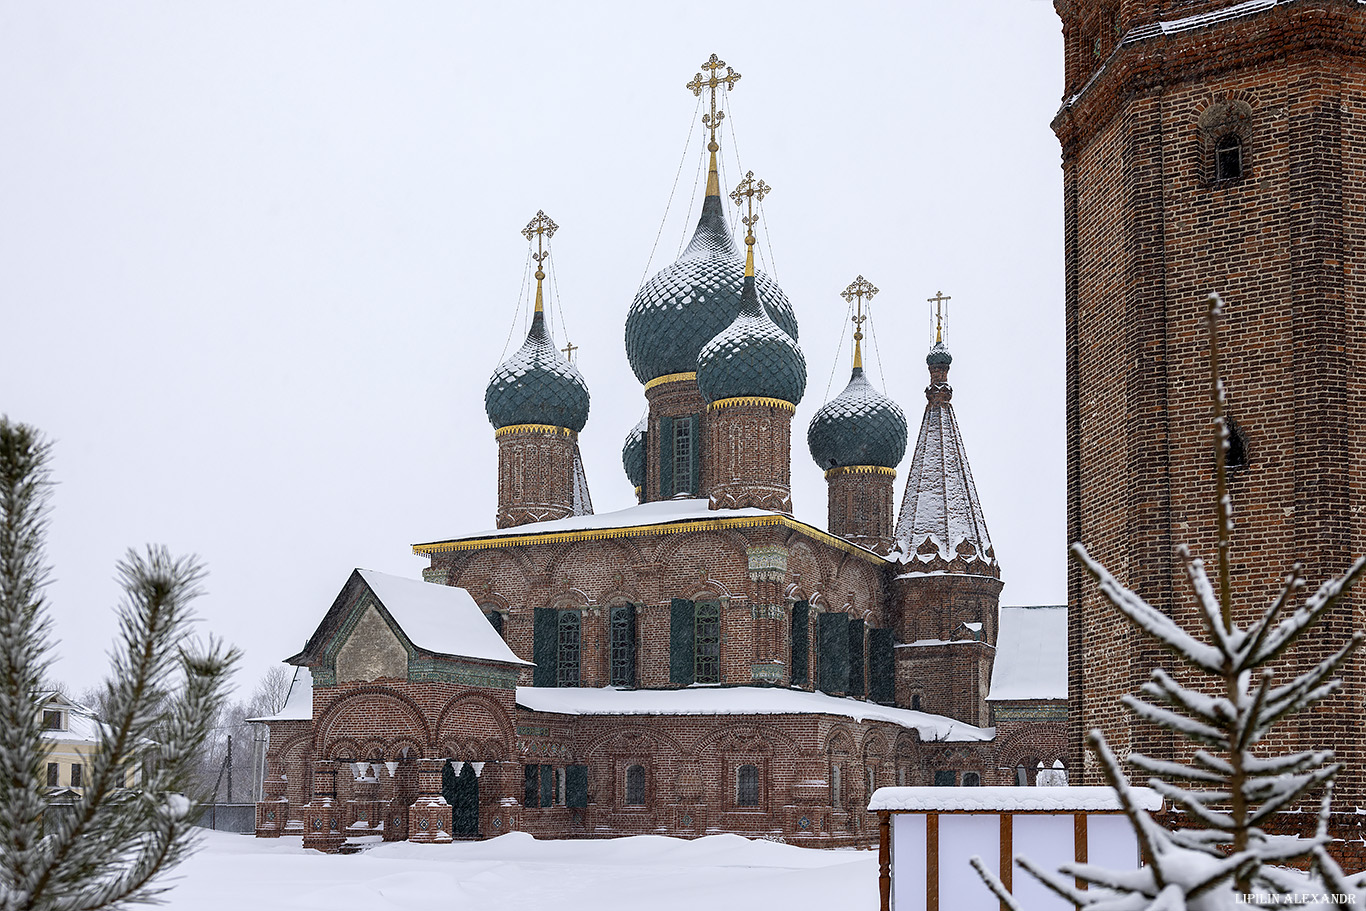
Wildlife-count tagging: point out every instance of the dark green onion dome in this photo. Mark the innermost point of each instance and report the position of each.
(633, 455)
(686, 304)
(751, 357)
(860, 426)
(537, 386)
(938, 355)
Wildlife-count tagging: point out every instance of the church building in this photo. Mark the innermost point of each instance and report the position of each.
(703, 661)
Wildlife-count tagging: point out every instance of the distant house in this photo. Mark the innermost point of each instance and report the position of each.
(71, 733)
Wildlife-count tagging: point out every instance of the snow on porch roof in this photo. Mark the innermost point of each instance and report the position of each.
(439, 618)
(1064, 799)
(658, 517)
(1031, 654)
(738, 700)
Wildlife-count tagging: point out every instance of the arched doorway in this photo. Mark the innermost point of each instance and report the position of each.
(461, 791)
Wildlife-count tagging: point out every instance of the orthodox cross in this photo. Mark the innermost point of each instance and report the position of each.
(939, 300)
(569, 350)
(862, 291)
(713, 82)
(747, 193)
(542, 228)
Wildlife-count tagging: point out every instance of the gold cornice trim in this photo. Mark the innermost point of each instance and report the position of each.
(753, 400)
(534, 428)
(860, 469)
(598, 534)
(670, 378)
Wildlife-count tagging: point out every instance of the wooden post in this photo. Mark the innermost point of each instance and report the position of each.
(1079, 842)
(1007, 858)
(884, 858)
(931, 862)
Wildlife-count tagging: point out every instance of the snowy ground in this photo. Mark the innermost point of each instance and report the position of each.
(514, 871)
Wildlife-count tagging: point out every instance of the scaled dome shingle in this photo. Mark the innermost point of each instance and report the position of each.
(860, 426)
(751, 357)
(537, 386)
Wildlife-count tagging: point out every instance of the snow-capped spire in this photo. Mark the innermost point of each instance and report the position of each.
(941, 526)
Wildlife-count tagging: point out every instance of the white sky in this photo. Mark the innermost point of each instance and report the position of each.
(258, 260)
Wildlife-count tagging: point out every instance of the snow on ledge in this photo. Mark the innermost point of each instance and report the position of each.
(1066, 799)
(738, 700)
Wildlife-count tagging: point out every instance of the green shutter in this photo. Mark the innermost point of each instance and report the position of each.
(531, 786)
(576, 786)
(856, 659)
(666, 457)
(681, 637)
(695, 482)
(547, 786)
(800, 636)
(545, 647)
(881, 666)
(832, 666)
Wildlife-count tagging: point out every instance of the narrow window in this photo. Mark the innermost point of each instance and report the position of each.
(707, 642)
(567, 662)
(52, 721)
(623, 646)
(1235, 451)
(747, 786)
(870, 779)
(495, 619)
(559, 787)
(76, 774)
(54, 770)
(837, 787)
(683, 447)
(915, 702)
(945, 778)
(531, 787)
(972, 780)
(1228, 158)
(1021, 776)
(635, 786)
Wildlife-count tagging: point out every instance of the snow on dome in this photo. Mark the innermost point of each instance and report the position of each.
(860, 426)
(1031, 654)
(738, 700)
(537, 386)
(633, 455)
(941, 525)
(691, 301)
(752, 356)
(1071, 798)
(439, 618)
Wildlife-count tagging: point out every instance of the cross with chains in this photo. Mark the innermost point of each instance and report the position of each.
(713, 82)
(939, 300)
(542, 228)
(747, 193)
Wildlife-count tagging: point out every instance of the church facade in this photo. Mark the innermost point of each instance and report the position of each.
(703, 661)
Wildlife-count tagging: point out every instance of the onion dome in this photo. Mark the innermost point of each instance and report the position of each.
(537, 386)
(939, 355)
(686, 304)
(752, 356)
(633, 455)
(860, 426)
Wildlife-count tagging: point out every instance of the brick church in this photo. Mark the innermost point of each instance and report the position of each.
(703, 661)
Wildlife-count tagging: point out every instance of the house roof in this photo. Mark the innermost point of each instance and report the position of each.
(1031, 654)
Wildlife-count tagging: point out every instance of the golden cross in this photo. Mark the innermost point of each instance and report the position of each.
(939, 300)
(569, 350)
(862, 290)
(746, 193)
(713, 82)
(541, 228)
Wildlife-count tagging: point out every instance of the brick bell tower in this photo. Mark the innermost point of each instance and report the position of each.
(1213, 146)
(537, 402)
(858, 439)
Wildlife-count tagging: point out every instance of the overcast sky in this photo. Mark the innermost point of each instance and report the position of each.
(258, 260)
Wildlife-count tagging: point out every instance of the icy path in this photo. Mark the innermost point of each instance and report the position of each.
(513, 872)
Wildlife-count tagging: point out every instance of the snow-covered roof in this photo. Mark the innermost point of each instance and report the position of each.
(82, 726)
(439, 618)
(299, 701)
(1064, 799)
(737, 700)
(941, 520)
(1031, 654)
(583, 500)
(660, 516)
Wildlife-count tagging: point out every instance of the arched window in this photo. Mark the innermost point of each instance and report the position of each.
(567, 667)
(495, 618)
(972, 780)
(635, 786)
(623, 645)
(1021, 776)
(707, 642)
(1228, 157)
(837, 787)
(747, 786)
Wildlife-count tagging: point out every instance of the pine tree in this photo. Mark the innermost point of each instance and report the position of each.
(1226, 789)
(158, 702)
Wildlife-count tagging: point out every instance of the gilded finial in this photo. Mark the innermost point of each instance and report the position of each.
(746, 193)
(542, 228)
(713, 118)
(862, 291)
(939, 300)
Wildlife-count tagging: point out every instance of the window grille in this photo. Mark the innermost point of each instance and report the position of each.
(707, 642)
(945, 778)
(623, 647)
(52, 721)
(747, 786)
(635, 786)
(683, 447)
(567, 665)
